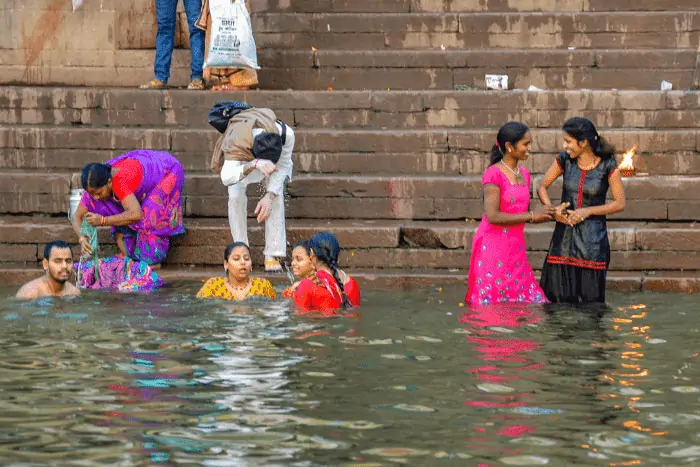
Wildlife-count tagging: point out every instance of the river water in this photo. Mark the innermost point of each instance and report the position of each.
(413, 378)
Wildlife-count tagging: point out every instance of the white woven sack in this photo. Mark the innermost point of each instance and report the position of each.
(231, 43)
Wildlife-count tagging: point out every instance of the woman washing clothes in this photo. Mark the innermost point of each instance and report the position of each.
(579, 254)
(138, 195)
(328, 288)
(238, 284)
(499, 271)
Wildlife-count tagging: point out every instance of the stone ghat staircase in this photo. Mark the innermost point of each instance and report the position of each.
(375, 44)
(396, 175)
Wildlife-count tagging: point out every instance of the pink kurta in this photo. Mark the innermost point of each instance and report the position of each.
(499, 271)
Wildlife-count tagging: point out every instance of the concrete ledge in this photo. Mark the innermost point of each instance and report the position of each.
(687, 282)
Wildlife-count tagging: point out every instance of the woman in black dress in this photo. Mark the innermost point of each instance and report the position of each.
(579, 253)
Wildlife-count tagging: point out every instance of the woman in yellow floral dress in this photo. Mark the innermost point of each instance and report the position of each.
(237, 284)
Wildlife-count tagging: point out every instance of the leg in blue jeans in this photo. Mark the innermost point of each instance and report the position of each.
(166, 15)
(197, 37)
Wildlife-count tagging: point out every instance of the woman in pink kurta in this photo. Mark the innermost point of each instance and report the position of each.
(499, 271)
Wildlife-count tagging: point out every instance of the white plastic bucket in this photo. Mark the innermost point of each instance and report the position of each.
(74, 201)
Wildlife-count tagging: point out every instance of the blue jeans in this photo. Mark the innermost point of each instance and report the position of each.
(166, 14)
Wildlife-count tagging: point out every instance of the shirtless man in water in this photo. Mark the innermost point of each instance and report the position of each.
(58, 264)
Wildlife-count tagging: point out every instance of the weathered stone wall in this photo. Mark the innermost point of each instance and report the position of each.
(103, 43)
(421, 44)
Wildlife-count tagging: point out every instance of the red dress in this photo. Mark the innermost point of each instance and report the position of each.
(352, 290)
(319, 293)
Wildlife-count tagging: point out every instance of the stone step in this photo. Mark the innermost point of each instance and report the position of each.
(454, 162)
(498, 60)
(544, 30)
(653, 187)
(442, 209)
(112, 45)
(467, 6)
(571, 78)
(448, 116)
(402, 279)
(36, 231)
(503, 23)
(182, 110)
(362, 234)
(437, 140)
(406, 258)
(394, 6)
(363, 197)
(62, 106)
(383, 244)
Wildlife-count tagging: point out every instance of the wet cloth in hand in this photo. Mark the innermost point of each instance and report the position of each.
(117, 274)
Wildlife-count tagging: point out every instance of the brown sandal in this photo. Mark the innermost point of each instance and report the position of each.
(273, 266)
(154, 84)
(196, 84)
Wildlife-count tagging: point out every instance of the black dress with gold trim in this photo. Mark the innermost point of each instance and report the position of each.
(577, 261)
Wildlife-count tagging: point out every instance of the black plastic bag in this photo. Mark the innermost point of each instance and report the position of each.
(222, 111)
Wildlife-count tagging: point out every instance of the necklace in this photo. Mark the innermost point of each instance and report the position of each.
(514, 172)
(239, 291)
(591, 166)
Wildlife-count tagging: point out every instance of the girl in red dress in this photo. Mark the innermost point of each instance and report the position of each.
(328, 289)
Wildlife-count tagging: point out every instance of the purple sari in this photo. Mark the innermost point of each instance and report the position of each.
(160, 196)
(117, 274)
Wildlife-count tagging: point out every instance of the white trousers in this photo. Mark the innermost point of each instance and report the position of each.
(275, 228)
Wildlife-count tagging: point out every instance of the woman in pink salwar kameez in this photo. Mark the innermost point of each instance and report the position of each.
(499, 271)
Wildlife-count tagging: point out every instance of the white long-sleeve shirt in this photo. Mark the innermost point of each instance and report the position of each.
(232, 171)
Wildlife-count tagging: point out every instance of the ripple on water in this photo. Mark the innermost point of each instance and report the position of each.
(363, 341)
(524, 460)
(534, 441)
(431, 340)
(408, 408)
(686, 389)
(245, 390)
(395, 452)
(631, 391)
(495, 388)
(420, 358)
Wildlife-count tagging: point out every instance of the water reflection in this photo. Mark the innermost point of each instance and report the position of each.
(503, 370)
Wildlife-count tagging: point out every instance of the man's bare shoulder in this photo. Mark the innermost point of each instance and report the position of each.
(30, 289)
(70, 289)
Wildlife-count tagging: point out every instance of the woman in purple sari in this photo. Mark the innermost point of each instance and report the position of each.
(139, 195)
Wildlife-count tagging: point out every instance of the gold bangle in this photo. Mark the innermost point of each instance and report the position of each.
(532, 217)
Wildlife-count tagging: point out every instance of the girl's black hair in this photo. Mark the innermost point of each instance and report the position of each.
(233, 246)
(96, 175)
(511, 132)
(327, 249)
(582, 129)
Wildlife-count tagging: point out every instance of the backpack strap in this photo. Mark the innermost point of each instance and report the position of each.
(284, 131)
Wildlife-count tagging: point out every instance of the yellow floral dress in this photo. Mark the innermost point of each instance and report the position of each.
(216, 288)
